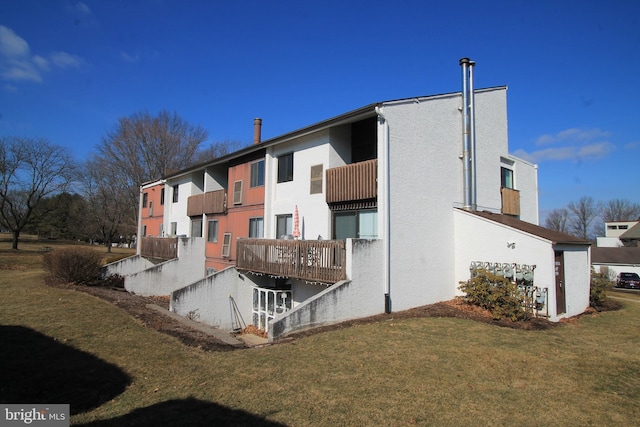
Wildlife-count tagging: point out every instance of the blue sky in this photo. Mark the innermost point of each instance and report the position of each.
(69, 69)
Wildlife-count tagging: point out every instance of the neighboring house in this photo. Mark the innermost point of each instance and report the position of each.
(393, 204)
(612, 261)
(620, 233)
(631, 237)
(151, 210)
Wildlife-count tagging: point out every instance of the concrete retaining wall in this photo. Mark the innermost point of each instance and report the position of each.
(361, 296)
(142, 277)
(208, 300)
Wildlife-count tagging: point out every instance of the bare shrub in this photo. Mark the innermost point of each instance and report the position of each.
(79, 266)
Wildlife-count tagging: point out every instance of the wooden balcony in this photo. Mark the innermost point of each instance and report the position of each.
(211, 202)
(159, 247)
(357, 181)
(510, 201)
(320, 261)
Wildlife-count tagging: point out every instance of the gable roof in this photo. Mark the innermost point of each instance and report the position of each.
(632, 233)
(346, 118)
(555, 237)
(615, 255)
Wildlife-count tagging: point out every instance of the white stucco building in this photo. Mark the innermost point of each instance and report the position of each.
(394, 204)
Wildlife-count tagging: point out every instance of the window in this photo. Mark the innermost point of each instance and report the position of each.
(145, 197)
(175, 194)
(256, 227)
(316, 180)
(174, 228)
(151, 208)
(284, 225)
(237, 193)
(144, 230)
(623, 227)
(361, 224)
(612, 227)
(196, 227)
(257, 174)
(226, 245)
(506, 178)
(162, 196)
(285, 168)
(212, 231)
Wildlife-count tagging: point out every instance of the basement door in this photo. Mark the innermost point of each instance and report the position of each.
(560, 285)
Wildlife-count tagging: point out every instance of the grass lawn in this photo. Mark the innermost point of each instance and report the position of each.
(426, 371)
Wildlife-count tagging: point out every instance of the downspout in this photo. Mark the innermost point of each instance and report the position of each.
(384, 193)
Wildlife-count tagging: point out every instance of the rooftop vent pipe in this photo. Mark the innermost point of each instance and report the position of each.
(257, 130)
(468, 136)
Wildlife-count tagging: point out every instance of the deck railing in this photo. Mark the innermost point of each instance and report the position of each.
(320, 261)
(159, 247)
(211, 202)
(357, 181)
(510, 201)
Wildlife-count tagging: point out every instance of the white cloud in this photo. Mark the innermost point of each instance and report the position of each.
(66, 60)
(571, 135)
(12, 45)
(82, 8)
(129, 58)
(632, 145)
(570, 144)
(17, 63)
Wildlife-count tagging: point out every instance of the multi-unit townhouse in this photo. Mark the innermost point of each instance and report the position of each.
(380, 209)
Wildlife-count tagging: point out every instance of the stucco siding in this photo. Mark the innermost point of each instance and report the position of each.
(282, 198)
(208, 300)
(174, 274)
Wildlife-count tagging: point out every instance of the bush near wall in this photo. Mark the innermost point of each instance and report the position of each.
(495, 293)
(80, 266)
(600, 282)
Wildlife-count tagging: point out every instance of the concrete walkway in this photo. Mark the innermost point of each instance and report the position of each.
(209, 330)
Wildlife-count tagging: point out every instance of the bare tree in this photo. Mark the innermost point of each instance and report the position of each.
(107, 201)
(142, 148)
(583, 213)
(217, 149)
(558, 220)
(30, 171)
(620, 210)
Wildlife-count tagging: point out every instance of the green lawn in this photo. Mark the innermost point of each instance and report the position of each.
(425, 371)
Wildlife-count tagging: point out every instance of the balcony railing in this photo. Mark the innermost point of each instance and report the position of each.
(510, 201)
(159, 247)
(320, 261)
(211, 202)
(357, 181)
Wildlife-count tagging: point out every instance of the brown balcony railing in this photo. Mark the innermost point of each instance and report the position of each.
(357, 181)
(510, 201)
(159, 247)
(211, 202)
(311, 260)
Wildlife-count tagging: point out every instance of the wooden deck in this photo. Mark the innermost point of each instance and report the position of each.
(320, 261)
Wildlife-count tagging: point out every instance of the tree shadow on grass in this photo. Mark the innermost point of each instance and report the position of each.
(38, 369)
(186, 412)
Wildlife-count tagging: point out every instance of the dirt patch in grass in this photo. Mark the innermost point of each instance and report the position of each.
(136, 306)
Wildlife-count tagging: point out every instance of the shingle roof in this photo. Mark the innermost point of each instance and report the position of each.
(615, 255)
(632, 233)
(554, 236)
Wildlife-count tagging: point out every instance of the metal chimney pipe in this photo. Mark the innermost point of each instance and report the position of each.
(466, 134)
(472, 139)
(257, 130)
